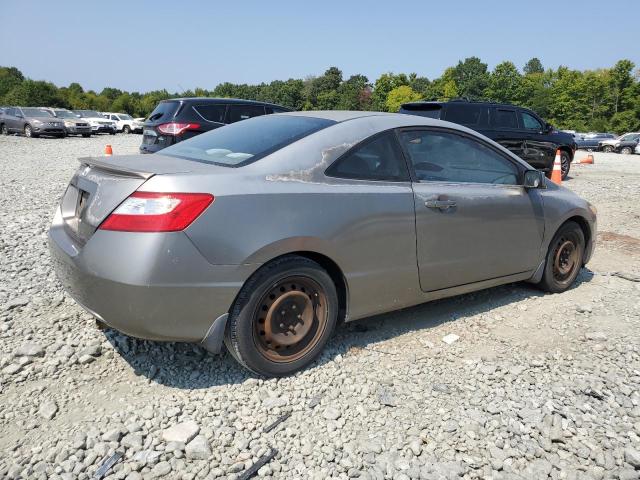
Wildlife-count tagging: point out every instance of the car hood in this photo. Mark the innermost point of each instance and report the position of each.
(43, 119)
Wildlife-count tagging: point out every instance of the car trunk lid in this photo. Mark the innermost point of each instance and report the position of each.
(101, 184)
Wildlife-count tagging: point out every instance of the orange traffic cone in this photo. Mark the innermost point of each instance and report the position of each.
(588, 159)
(556, 173)
(108, 151)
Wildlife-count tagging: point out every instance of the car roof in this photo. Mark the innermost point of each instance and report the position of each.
(220, 100)
(460, 102)
(336, 115)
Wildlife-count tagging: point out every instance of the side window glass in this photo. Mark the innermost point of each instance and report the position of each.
(379, 159)
(447, 157)
(503, 118)
(463, 114)
(242, 112)
(211, 113)
(530, 122)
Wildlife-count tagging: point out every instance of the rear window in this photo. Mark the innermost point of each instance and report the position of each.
(163, 111)
(423, 110)
(464, 114)
(245, 142)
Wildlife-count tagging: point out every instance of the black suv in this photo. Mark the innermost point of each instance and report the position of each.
(516, 128)
(181, 118)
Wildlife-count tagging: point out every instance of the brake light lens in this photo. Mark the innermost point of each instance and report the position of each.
(175, 128)
(157, 212)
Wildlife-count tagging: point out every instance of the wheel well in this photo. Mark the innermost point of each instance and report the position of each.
(584, 226)
(336, 275)
(568, 151)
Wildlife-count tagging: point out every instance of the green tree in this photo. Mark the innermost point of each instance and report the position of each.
(384, 85)
(34, 93)
(10, 77)
(400, 95)
(351, 94)
(533, 66)
(471, 77)
(505, 83)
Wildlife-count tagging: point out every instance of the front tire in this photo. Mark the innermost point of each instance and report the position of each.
(607, 149)
(4, 129)
(86, 135)
(28, 131)
(283, 317)
(565, 164)
(564, 258)
(126, 130)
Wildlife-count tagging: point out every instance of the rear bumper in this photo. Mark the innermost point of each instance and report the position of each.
(147, 285)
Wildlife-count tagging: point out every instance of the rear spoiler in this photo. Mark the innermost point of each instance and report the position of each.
(105, 163)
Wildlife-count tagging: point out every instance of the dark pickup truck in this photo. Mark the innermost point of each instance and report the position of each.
(516, 128)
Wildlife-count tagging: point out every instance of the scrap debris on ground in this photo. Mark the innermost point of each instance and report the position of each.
(506, 383)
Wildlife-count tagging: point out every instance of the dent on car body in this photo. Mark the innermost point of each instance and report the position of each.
(315, 173)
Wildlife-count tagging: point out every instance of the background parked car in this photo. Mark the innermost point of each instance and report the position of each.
(99, 124)
(125, 123)
(590, 141)
(31, 121)
(623, 144)
(180, 118)
(519, 129)
(72, 124)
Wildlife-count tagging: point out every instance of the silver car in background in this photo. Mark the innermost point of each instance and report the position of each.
(72, 124)
(267, 232)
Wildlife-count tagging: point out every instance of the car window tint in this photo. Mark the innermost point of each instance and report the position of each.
(245, 142)
(447, 157)
(505, 118)
(422, 110)
(377, 159)
(463, 114)
(211, 113)
(163, 111)
(242, 112)
(530, 122)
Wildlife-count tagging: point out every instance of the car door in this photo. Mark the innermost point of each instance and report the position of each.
(474, 219)
(10, 119)
(238, 112)
(503, 122)
(539, 149)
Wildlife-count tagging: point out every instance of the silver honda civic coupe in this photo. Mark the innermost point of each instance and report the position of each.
(265, 233)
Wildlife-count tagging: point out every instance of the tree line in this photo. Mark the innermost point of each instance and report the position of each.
(606, 99)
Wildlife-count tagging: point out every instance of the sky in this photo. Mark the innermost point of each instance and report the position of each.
(179, 45)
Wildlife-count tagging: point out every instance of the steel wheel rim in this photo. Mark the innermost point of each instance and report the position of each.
(290, 319)
(565, 260)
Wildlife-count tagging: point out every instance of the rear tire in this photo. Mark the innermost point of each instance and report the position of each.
(626, 150)
(564, 258)
(283, 317)
(4, 129)
(86, 135)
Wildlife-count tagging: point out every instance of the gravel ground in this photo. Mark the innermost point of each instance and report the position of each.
(528, 385)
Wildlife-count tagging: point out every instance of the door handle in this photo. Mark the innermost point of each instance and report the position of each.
(440, 204)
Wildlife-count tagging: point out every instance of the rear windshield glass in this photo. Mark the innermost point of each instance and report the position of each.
(163, 110)
(245, 142)
(423, 110)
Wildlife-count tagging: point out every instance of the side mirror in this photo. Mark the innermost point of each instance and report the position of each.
(548, 128)
(533, 179)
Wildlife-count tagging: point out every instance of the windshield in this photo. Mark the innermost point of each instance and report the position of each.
(245, 142)
(36, 112)
(89, 113)
(124, 116)
(628, 136)
(64, 114)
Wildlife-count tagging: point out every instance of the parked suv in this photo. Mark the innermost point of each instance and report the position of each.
(623, 144)
(31, 121)
(99, 124)
(516, 128)
(72, 124)
(125, 123)
(180, 118)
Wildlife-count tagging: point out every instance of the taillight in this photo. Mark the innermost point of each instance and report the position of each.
(157, 212)
(175, 128)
